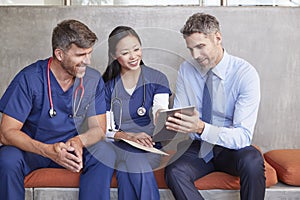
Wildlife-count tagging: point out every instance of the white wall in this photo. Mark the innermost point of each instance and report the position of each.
(32, 2)
(268, 37)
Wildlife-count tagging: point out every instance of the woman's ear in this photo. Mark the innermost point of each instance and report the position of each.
(113, 56)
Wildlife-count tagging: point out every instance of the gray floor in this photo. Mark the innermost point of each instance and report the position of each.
(277, 192)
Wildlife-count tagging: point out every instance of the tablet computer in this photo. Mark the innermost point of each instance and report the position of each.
(160, 133)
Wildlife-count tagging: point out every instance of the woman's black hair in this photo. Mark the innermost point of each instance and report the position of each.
(114, 68)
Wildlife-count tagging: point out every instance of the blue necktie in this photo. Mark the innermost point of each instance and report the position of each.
(206, 148)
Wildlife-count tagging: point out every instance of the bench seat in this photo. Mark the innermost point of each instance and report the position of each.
(56, 177)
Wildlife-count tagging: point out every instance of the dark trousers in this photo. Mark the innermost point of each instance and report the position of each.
(247, 163)
(95, 178)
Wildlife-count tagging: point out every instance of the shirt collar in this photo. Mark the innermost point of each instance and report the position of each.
(221, 68)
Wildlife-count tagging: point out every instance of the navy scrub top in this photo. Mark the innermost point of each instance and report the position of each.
(26, 99)
(154, 81)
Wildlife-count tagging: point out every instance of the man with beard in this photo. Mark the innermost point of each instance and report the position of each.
(52, 112)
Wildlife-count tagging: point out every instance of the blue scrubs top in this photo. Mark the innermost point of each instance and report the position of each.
(26, 99)
(154, 81)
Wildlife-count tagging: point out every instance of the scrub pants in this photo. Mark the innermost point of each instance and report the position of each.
(95, 179)
(134, 173)
(247, 163)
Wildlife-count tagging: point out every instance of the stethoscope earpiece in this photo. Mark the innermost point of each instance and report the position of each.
(141, 111)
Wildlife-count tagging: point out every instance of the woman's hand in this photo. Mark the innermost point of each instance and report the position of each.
(141, 138)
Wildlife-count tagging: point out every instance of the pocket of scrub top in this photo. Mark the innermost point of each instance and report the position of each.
(83, 108)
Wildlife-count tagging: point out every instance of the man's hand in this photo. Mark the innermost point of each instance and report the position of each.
(66, 156)
(186, 124)
(76, 143)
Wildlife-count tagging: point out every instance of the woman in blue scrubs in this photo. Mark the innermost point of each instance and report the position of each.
(135, 93)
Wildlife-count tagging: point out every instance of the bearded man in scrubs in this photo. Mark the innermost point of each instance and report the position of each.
(53, 116)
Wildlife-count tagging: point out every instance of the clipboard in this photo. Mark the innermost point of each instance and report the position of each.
(162, 134)
(142, 147)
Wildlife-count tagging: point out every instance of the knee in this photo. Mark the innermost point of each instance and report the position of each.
(100, 152)
(134, 163)
(99, 166)
(253, 163)
(95, 172)
(172, 172)
(11, 159)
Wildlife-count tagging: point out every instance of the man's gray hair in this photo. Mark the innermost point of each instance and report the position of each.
(200, 23)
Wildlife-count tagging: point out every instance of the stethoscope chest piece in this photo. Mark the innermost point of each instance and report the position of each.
(141, 111)
(52, 112)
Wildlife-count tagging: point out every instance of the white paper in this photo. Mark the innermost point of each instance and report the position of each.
(149, 149)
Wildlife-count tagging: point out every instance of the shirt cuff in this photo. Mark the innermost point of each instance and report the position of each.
(211, 133)
(160, 101)
(110, 135)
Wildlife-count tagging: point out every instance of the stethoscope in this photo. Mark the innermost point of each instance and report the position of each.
(52, 111)
(141, 111)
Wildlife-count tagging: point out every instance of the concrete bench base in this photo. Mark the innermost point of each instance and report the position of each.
(277, 192)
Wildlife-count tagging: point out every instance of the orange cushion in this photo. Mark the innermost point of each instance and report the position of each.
(55, 177)
(52, 177)
(218, 180)
(286, 163)
(160, 178)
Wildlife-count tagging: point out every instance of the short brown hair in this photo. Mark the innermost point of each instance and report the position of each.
(200, 23)
(70, 32)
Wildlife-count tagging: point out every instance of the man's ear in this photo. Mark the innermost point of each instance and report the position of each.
(219, 37)
(59, 54)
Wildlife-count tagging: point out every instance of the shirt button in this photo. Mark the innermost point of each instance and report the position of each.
(70, 115)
